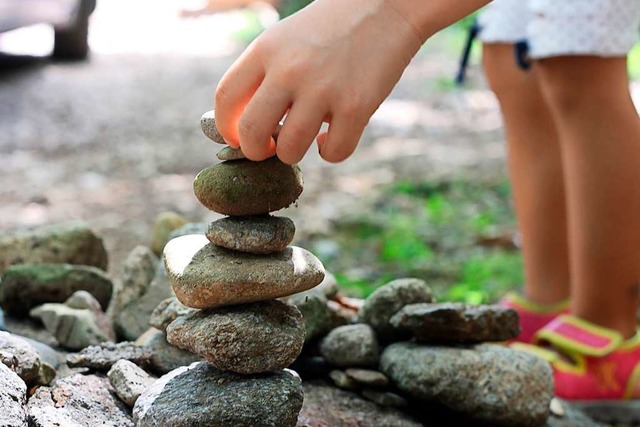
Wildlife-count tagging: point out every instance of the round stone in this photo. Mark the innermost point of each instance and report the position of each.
(253, 234)
(243, 187)
(246, 339)
(201, 395)
(206, 276)
(208, 124)
(351, 346)
(228, 154)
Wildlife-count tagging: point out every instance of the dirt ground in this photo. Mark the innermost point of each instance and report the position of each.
(115, 140)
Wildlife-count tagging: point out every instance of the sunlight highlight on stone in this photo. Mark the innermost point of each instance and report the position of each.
(179, 252)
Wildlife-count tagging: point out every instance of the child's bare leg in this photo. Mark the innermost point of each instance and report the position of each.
(535, 168)
(600, 140)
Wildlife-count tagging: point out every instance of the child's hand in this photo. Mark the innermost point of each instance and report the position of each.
(335, 61)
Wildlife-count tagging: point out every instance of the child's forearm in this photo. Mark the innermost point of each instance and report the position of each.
(430, 16)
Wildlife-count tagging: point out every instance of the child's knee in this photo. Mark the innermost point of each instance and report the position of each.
(506, 79)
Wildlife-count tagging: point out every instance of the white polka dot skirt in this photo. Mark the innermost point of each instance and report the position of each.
(563, 27)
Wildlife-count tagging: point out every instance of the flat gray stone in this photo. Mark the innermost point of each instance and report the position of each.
(457, 322)
(263, 234)
(208, 125)
(73, 243)
(102, 357)
(351, 346)
(183, 398)
(205, 276)
(486, 382)
(342, 380)
(78, 400)
(19, 356)
(368, 377)
(13, 399)
(26, 286)
(168, 311)
(259, 337)
(244, 187)
(164, 356)
(228, 154)
(129, 381)
(385, 301)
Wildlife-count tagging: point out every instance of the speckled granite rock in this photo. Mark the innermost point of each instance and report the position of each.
(19, 356)
(457, 322)
(28, 285)
(351, 346)
(102, 357)
(243, 187)
(183, 398)
(487, 382)
(13, 399)
(129, 381)
(78, 400)
(208, 125)
(250, 338)
(261, 234)
(385, 301)
(205, 276)
(73, 243)
(164, 356)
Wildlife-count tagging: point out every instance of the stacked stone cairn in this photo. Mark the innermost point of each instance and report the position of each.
(233, 276)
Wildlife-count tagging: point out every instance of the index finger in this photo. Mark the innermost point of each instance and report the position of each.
(235, 90)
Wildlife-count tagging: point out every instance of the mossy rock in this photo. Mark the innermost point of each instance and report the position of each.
(244, 187)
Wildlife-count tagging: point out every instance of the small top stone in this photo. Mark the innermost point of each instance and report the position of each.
(228, 154)
(208, 124)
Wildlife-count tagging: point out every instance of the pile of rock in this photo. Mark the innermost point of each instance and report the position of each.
(408, 351)
(231, 278)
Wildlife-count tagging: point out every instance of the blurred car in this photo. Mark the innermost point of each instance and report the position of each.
(69, 18)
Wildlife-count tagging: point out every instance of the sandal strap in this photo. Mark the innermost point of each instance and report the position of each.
(574, 335)
(515, 300)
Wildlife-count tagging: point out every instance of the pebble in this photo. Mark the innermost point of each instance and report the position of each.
(165, 223)
(129, 381)
(208, 124)
(486, 382)
(342, 380)
(230, 154)
(351, 346)
(254, 234)
(244, 187)
(385, 301)
(201, 395)
(368, 377)
(457, 322)
(28, 285)
(385, 398)
(246, 339)
(205, 276)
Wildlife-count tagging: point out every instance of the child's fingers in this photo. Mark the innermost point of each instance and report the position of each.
(234, 91)
(299, 130)
(260, 119)
(341, 139)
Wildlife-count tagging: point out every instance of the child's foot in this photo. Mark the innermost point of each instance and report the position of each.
(594, 367)
(533, 316)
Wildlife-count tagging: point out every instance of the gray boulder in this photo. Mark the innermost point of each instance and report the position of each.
(78, 400)
(26, 286)
(73, 243)
(247, 339)
(13, 399)
(486, 382)
(385, 301)
(351, 346)
(318, 317)
(183, 398)
(457, 322)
